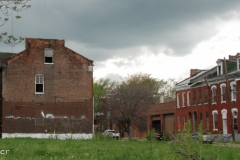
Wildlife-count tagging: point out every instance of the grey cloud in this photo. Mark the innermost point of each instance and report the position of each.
(109, 26)
(113, 76)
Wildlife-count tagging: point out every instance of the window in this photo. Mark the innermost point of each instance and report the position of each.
(48, 54)
(200, 116)
(206, 95)
(179, 119)
(188, 98)
(179, 124)
(238, 64)
(224, 121)
(183, 100)
(235, 116)
(39, 83)
(215, 120)
(178, 101)
(184, 121)
(233, 91)
(214, 94)
(219, 68)
(194, 97)
(207, 121)
(199, 96)
(223, 93)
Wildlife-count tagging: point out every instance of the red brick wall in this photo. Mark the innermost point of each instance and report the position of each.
(67, 83)
(207, 108)
(60, 117)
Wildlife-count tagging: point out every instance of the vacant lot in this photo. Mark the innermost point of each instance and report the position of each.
(101, 149)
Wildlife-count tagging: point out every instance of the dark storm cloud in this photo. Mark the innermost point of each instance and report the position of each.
(109, 26)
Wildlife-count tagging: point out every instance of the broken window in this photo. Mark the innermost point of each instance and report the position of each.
(48, 54)
(39, 83)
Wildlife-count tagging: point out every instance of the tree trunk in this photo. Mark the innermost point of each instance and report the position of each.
(129, 130)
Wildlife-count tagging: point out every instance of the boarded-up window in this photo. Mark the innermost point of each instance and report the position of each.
(48, 54)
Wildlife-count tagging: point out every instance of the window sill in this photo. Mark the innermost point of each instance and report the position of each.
(49, 63)
(39, 93)
(214, 103)
(215, 129)
(199, 104)
(183, 106)
(206, 103)
(233, 100)
(223, 102)
(194, 105)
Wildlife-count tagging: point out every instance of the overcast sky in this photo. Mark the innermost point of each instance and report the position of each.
(165, 38)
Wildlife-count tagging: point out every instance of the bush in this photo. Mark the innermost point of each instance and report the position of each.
(166, 136)
(184, 145)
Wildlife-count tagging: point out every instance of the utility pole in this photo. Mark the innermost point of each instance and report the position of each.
(229, 98)
(208, 89)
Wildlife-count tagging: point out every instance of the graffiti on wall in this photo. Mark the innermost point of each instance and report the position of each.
(48, 123)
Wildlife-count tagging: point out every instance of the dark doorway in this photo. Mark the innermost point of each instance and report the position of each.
(156, 125)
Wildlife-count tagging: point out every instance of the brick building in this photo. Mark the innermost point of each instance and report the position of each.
(161, 116)
(211, 97)
(47, 89)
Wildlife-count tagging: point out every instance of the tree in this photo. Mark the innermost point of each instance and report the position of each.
(167, 88)
(5, 7)
(101, 90)
(130, 98)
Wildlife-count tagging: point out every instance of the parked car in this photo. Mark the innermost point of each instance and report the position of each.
(111, 133)
(157, 136)
(206, 137)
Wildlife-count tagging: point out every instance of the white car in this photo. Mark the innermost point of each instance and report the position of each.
(111, 133)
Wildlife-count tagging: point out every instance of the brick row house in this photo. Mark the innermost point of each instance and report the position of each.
(46, 89)
(211, 97)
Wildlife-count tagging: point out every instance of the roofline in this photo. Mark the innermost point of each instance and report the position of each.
(79, 54)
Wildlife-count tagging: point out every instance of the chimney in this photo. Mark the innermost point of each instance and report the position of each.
(234, 57)
(193, 72)
(161, 98)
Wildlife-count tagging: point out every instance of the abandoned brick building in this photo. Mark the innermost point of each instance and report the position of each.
(160, 116)
(46, 89)
(211, 97)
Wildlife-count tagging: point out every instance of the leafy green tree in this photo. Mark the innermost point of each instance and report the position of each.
(167, 88)
(131, 97)
(101, 88)
(6, 6)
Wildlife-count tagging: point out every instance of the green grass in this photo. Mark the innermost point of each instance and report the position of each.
(27, 148)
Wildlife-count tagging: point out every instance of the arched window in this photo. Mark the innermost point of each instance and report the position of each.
(224, 121)
(214, 94)
(235, 116)
(183, 100)
(233, 91)
(215, 120)
(178, 101)
(188, 98)
(223, 92)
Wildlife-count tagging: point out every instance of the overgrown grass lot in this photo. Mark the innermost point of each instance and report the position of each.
(27, 148)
